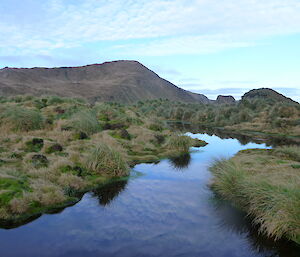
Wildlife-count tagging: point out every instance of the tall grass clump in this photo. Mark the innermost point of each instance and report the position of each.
(228, 178)
(85, 121)
(292, 152)
(105, 160)
(180, 143)
(23, 119)
(269, 194)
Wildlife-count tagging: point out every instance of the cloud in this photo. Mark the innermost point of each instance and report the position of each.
(163, 71)
(37, 60)
(164, 27)
(185, 45)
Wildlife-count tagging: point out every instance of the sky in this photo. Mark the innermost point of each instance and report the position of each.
(206, 46)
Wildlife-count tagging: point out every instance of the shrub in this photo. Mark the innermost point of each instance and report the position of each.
(105, 160)
(85, 121)
(23, 119)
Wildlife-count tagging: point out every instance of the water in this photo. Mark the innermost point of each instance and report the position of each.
(169, 210)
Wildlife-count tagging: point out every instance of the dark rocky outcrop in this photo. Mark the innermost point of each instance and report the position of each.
(267, 93)
(225, 99)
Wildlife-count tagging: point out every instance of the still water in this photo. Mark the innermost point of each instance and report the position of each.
(166, 209)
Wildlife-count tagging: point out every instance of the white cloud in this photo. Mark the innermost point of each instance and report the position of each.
(185, 45)
(168, 26)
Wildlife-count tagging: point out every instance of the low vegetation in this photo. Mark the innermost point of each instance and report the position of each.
(22, 119)
(85, 121)
(105, 160)
(265, 183)
(54, 149)
(182, 144)
(249, 114)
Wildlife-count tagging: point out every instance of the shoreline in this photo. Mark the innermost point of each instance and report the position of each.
(265, 184)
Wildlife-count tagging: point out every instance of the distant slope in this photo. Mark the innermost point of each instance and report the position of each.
(121, 81)
(225, 99)
(267, 93)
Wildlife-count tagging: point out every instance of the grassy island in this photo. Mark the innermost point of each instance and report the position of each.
(54, 149)
(266, 184)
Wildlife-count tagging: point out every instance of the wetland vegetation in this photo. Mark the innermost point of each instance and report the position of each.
(265, 183)
(54, 149)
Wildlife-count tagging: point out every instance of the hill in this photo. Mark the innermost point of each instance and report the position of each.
(119, 81)
(225, 99)
(267, 93)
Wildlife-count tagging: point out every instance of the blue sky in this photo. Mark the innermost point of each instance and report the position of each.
(206, 46)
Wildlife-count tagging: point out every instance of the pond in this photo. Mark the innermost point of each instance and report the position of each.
(165, 209)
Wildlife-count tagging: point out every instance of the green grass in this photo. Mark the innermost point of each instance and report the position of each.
(156, 127)
(85, 121)
(55, 148)
(23, 119)
(105, 160)
(34, 145)
(269, 192)
(181, 143)
(292, 152)
(32, 127)
(295, 166)
(121, 134)
(12, 184)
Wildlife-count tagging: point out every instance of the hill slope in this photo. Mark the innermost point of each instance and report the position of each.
(267, 93)
(121, 81)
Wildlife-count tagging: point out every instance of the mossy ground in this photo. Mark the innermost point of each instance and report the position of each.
(265, 183)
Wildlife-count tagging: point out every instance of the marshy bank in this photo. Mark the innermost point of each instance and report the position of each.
(53, 150)
(266, 184)
(167, 209)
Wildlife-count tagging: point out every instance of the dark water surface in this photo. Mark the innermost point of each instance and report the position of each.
(167, 211)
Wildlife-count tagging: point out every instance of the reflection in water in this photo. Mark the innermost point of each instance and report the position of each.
(243, 137)
(180, 162)
(14, 224)
(106, 194)
(162, 213)
(234, 220)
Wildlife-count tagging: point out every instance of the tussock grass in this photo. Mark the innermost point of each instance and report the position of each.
(71, 181)
(85, 121)
(269, 192)
(41, 138)
(105, 160)
(23, 119)
(180, 143)
(292, 152)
